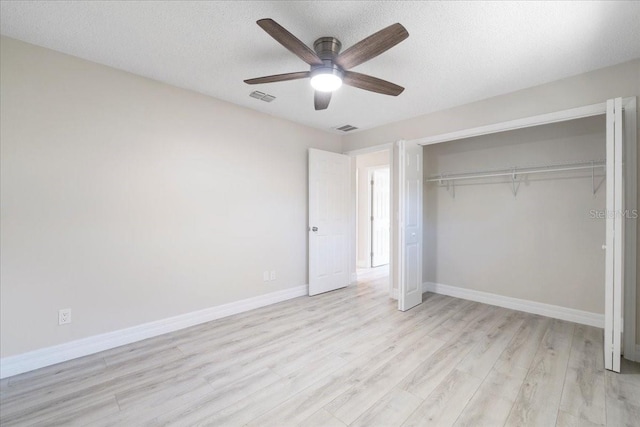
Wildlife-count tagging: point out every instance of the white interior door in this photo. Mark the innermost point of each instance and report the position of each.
(329, 221)
(380, 216)
(614, 258)
(410, 217)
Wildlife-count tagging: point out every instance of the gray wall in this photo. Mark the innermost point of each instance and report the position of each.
(129, 200)
(542, 245)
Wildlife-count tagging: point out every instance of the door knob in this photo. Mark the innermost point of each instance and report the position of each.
(314, 229)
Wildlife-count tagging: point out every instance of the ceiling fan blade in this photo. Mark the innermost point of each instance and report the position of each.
(372, 46)
(278, 78)
(288, 40)
(321, 100)
(372, 84)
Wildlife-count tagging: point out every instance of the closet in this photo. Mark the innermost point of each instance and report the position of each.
(537, 214)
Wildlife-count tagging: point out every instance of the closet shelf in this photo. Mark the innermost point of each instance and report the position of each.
(595, 164)
(515, 173)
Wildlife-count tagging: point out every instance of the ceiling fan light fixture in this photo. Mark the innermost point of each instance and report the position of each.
(326, 79)
(330, 67)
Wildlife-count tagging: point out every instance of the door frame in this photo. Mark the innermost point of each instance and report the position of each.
(370, 171)
(392, 212)
(631, 347)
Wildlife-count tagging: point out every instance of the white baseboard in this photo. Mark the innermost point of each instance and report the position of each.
(555, 311)
(13, 365)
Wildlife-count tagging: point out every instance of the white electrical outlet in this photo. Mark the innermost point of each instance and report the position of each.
(273, 275)
(64, 316)
(265, 276)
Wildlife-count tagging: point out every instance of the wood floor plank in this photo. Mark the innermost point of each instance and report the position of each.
(522, 349)
(567, 420)
(426, 377)
(351, 404)
(63, 413)
(322, 418)
(618, 388)
(104, 382)
(400, 354)
(622, 413)
(584, 387)
(486, 409)
(539, 397)
(443, 406)
(492, 402)
(53, 375)
(391, 410)
(629, 372)
(484, 355)
(257, 404)
(220, 397)
(504, 380)
(463, 313)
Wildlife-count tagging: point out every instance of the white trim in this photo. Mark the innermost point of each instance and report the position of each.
(555, 311)
(630, 239)
(542, 119)
(368, 150)
(32, 360)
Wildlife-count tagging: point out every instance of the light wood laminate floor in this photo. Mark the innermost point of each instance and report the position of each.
(347, 357)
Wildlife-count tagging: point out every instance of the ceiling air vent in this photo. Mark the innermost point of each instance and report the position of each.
(262, 96)
(347, 128)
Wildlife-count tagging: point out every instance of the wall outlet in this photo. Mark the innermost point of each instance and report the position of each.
(265, 276)
(272, 276)
(64, 316)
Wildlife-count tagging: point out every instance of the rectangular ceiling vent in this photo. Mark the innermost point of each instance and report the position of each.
(262, 96)
(347, 128)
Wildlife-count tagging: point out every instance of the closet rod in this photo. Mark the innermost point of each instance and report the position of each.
(516, 171)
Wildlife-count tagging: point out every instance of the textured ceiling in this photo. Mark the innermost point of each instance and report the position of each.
(457, 52)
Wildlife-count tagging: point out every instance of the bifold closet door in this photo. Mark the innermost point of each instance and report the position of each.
(614, 246)
(410, 217)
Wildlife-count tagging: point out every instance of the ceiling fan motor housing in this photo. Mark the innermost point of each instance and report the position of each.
(327, 49)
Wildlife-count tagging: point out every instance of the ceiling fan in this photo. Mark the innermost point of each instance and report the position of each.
(329, 67)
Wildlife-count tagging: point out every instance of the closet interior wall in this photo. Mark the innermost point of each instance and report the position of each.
(545, 243)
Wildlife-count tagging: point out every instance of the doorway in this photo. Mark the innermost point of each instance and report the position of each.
(373, 216)
(379, 223)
